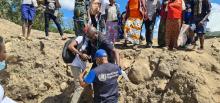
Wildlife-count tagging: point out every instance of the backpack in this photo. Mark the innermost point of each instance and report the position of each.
(67, 55)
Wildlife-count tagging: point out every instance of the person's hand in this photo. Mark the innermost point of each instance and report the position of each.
(184, 22)
(84, 57)
(201, 23)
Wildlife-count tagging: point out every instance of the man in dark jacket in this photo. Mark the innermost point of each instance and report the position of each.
(98, 41)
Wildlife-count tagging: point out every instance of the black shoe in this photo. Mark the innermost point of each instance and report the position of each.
(161, 46)
(149, 45)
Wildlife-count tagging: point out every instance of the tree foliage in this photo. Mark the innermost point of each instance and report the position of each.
(11, 10)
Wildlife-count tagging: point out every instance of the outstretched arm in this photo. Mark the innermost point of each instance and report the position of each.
(81, 80)
(85, 81)
(116, 56)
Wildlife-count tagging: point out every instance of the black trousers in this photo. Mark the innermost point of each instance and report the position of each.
(149, 26)
(49, 16)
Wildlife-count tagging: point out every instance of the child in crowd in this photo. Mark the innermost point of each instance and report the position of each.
(188, 20)
(121, 24)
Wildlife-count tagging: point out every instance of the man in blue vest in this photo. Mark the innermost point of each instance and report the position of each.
(104, 78)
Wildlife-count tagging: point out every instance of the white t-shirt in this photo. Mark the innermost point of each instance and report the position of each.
(34, 2)
(4, 99)
(77, 62)
(1, 93)
(8, 100)
(79, 40)
(104, 3)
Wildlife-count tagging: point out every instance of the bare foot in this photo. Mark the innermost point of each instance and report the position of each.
(135, 47)
(200, 50)
(29, 39)
(125, 44)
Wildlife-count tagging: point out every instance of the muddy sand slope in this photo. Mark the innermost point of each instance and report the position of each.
(37, 74)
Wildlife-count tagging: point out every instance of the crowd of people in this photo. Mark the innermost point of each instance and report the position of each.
(99, 24)
(177, 17)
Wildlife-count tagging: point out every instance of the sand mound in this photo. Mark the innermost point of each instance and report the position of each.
(37, 73)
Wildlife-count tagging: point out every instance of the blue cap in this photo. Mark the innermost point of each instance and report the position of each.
(100, 53)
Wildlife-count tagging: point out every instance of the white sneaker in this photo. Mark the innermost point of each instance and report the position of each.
(46, 38)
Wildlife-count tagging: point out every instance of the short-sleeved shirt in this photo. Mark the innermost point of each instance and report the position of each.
(175, 9)
(104, 79)
(152, 6)
(101, 43)
(206, 9)
(80, 40)
(104, 3)
(30, 2)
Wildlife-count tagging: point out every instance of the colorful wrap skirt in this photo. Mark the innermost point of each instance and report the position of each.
(132, 30)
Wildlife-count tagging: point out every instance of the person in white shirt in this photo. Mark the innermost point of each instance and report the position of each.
(78, 47)
(104, 4)
(28, 12)
(153, 7)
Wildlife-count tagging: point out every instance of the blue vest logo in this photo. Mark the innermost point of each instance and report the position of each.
(102, 77)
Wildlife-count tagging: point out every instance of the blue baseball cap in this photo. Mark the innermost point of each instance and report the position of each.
(100, 53)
